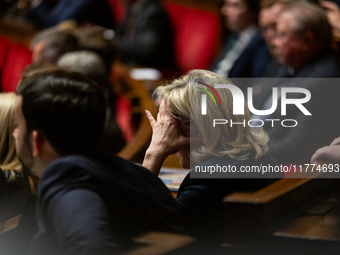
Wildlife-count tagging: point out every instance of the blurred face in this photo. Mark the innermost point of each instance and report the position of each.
(21, 138)
(237, 15)
(287, 45)
(267, 23)
(38, 52)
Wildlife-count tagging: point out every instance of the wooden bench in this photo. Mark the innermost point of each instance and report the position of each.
(141, 101)
(273, 207)
(156, 243)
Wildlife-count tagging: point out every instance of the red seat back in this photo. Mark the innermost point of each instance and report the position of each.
(118, 10)
(13, 60)
(197, 35)
(4, 44)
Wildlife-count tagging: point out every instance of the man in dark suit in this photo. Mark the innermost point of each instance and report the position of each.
(87, 202)
(267, 23)
(245, 53)
(47, 13)
(303, 47)
(146, 37)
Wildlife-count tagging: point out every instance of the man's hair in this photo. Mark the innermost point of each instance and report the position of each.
(270, 3)
(99, 40)
(86, 63)
(309, 17)
(38, 68)
(253, 5)
(67, 108)
(56, 43)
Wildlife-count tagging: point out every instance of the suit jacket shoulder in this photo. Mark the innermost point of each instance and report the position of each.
(253, 61)
(131, 200)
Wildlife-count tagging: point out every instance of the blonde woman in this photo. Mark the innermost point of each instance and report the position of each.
(18, 187)
(181, 128)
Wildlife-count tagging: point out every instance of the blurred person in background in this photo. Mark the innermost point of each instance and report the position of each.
(92, 66)
(245, 53)
(269, 12)
(303, 42)
(146, 37)
(267, 22)
(48, 13)
(49, 44)
(303, 47)
(99, 40)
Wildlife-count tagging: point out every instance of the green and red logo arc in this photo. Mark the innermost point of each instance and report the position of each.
(209, 93)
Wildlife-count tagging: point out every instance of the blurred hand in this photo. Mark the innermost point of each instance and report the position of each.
(333, 13)
(336, 141)
(328, 153)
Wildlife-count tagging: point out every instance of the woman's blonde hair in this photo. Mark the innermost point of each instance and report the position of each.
(8, 156)
(184, 100)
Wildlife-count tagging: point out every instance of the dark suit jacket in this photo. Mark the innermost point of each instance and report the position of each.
(200, 200)
(95, 11)
(252, 62)
(297, 145)
(152, 41)
(95, 205)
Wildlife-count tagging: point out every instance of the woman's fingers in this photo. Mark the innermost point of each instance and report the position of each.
(168, 137)
(150, 118)
(163, 113)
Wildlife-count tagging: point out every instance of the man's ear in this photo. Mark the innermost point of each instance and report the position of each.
(37, 142)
